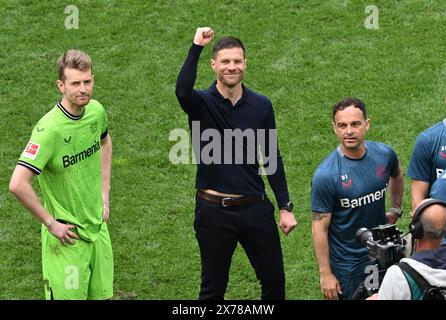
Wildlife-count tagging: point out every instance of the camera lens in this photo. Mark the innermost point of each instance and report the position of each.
(363, 235)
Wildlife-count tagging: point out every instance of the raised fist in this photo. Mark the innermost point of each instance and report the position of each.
(203, 36)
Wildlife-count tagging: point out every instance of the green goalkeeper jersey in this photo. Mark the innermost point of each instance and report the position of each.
(64, 150)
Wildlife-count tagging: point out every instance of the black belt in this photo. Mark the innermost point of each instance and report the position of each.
(228, 201)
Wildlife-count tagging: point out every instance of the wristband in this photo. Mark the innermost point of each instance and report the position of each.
(397, 211)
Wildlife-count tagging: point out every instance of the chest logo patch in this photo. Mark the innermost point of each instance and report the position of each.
(381, 171)
(94, 127)
(346, 182)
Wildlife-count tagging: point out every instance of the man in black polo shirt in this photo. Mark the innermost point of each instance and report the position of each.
(231, 203)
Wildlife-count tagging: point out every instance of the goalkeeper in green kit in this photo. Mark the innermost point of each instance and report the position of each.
(70, 150)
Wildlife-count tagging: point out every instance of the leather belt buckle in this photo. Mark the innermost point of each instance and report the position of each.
(223, 202)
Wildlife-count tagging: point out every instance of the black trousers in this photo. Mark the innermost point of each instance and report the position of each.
(218, 229)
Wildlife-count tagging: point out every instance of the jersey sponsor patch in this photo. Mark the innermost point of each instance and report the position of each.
(31, 150)
(364, 200)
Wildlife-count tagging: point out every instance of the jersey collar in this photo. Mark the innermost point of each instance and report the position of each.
(342, 154)
(246, 94)
(68, 114)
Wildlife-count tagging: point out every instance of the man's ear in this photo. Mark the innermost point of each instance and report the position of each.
(61, 86)
(368, 122)
(213, 64)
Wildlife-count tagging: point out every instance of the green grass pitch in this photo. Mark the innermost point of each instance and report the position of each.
(304, 55)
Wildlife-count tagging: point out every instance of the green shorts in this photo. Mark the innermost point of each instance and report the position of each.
(80, 271)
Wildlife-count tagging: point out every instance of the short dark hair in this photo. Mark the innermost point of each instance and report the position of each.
(348, 102)
(227, 43)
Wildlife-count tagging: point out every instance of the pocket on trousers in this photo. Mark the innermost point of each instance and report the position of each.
(268, 207)
(200, 205)
(204, 210)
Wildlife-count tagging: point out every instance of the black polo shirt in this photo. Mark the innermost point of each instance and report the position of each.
(225, 163)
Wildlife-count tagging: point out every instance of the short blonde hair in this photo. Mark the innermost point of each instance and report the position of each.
(74, 59)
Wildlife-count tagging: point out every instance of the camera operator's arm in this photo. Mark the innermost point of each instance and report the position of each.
(329, 284)
(396, 189)
(418, 192)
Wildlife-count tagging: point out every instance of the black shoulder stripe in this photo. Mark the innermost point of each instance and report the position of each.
(104, 134)
(29, 166)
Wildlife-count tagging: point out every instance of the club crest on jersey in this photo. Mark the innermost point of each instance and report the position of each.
(346, 182)
(442, 152)
(381, 171)
(31, 150)
(94, 127)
